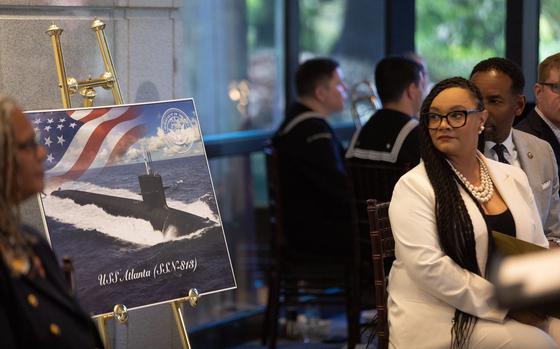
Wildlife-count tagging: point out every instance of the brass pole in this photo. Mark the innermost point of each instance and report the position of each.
(102, 328)
(98, 27)
(120, 312)
(180, 322)
(54, 32)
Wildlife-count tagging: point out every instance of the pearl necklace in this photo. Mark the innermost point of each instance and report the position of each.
(482, 193)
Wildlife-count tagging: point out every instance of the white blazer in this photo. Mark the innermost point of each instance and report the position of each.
(425, 285)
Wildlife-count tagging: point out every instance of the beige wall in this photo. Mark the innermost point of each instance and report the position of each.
(145, 39)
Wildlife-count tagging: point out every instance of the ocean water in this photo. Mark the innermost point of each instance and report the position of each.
(124, 260)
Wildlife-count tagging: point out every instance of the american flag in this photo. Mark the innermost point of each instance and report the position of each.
(78, 140)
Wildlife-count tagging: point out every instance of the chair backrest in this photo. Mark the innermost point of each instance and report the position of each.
(374, 179)
(383, 253)
(371, 180)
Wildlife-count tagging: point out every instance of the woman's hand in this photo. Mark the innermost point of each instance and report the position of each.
(530, 318)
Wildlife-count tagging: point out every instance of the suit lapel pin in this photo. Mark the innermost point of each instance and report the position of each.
(529, 155)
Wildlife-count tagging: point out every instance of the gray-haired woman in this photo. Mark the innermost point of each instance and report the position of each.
(36, 308)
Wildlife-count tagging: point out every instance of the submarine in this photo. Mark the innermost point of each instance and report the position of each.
(153, 206)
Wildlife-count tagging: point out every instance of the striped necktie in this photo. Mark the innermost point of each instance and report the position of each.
(499, 149)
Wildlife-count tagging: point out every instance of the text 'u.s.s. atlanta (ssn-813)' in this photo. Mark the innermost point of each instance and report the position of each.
(157, 270)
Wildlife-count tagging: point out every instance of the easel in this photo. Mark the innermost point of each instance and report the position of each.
(86, 88)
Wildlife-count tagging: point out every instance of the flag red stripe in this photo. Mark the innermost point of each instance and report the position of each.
(93, 145)
(125, 142)
(94, 114)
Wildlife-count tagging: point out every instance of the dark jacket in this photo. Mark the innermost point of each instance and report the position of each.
(388, 136)
(536, 126)
(38, 312)
(314, 185)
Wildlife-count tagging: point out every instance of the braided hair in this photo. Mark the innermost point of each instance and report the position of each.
(12, 242)
(454, 226)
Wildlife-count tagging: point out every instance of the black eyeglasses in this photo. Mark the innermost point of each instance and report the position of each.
(455, 118)
(554, 87)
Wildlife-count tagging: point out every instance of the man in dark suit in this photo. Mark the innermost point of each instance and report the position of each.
(544, 120)
(391, 134)
(501, 83)
(312, 175)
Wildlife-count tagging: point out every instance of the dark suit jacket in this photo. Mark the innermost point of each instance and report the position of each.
(39, 312)
(536, 126)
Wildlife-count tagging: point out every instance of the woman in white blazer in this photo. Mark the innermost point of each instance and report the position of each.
(441, 214)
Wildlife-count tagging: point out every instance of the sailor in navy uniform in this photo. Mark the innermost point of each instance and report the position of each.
(317, 213)
(391, 134)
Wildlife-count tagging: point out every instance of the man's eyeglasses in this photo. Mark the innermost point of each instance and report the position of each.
(455, 118)
(554, 87)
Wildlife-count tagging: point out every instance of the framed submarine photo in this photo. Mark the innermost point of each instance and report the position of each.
(129, 199)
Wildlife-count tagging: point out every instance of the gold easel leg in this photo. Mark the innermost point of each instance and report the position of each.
(180, 322)
(120, 313)
(54, 32)
(97, 26)
(102, 327)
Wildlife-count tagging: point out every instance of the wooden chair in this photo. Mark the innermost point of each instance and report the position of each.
(370, 180)
(367, 180)
(383, 255)
(294, 278)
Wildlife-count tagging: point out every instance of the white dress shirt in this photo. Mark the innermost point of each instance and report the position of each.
(553, 127)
